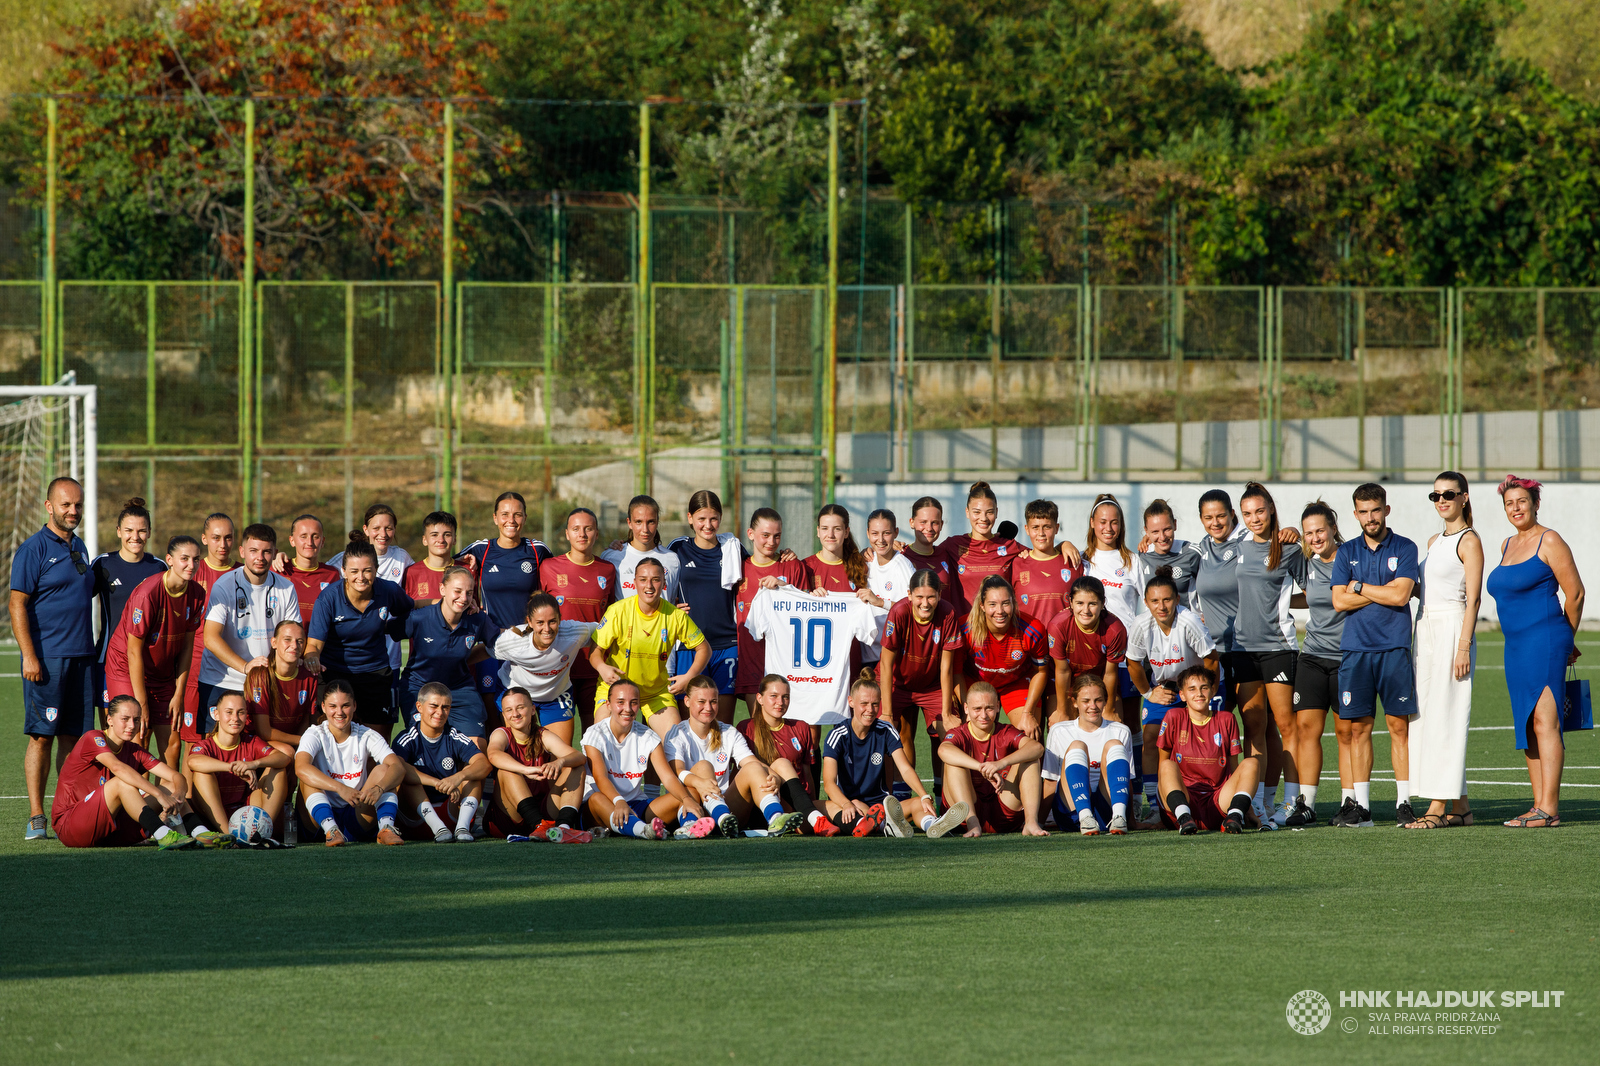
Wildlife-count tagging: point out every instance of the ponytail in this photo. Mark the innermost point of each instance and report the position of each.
(1253, 490)
(977, 621)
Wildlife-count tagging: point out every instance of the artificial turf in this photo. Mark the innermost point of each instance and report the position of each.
(1146, 948)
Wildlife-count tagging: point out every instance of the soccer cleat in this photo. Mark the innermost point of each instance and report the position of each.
(1303, 814)
(1118, 826)
(954, 818)
(1403, 814)
(177, 839)
(464, 836)
(544, 827)
(658, 828)
(728, 826)
(1358, 818)
(561, 834)
(443, 836)
(390, 838)
(1280, 814)
(38, 828)
(599, 832)
(518, 838)
(334, 839)
(1233, 823)
(786, 824)
(699, 829)
(871, 820)
(895, 822)
(1342, 817)
(825, 828)
(210, 838)
(1186, 826)
(1088, 824)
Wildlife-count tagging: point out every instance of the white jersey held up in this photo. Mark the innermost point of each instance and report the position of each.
(808, 641)
(248, 614)
(1061, 737)
(346, 763)
(684, 746)
(545, 674)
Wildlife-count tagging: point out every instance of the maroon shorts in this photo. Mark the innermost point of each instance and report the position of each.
(1203, 805)
(906, 704)
(497, 822)
(89, 823)
(161, 692)
(994, 816)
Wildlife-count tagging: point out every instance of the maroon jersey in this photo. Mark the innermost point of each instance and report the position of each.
(523, 753)
(1007, 661)
(421, 582)
(1201, 751)
(829, 576)
(82, 773)
(235, 790)
(1087, 653)
(1042, 586)
(166, 623)
(974, 560)
(1002, 742)
(293, 703)
(793, 742)
(205, 577)
(918, 647)
(583, 592)
(939, 562)
(308, 585)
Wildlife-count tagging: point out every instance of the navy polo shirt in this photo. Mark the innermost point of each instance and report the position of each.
(439, 653)
(352, 639)
(862, 760)
(60, 617)
(507, 577)
(114, 581)
(1376, 627)
(700, 586)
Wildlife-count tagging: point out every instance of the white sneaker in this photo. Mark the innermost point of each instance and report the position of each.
(895, 823)
(1118, 826)
(442, 835)
(954, 818)
(464, 836)
(1088, 824)
(1280, 814)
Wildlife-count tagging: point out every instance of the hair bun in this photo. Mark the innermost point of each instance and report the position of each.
(358, 536)
(135, 501)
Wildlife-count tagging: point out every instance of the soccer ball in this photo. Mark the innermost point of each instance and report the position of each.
(250, 824)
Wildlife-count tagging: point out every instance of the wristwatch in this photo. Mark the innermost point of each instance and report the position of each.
(1356, 587)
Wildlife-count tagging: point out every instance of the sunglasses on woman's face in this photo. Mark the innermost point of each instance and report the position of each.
(1447, 494)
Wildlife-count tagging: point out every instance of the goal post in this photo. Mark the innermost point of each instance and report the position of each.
(46, 431)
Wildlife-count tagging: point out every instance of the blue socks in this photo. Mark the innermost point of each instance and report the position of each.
(635, 828)
(716, 807)
(1116, 774)
(1076, 775)
(771, 808)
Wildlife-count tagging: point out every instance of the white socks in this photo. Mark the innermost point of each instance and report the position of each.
(927, 822)
(1291, 792)
(1364, 794)
(1309, 792)
(431, 816)
(1346, 794)
(469, 808)
(1119, 810)
(1405, 792)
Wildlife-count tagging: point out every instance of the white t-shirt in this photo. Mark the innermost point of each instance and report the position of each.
(626, 759)
(890, 582)
(1169, 654)
(629, 557)
(808, 641)
(391, 567)
(545, 674)
(683, 746)
(248, 613)
(1124, 583)
(1061, 736)
(346, 763)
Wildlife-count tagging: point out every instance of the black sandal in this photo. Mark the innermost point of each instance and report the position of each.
(1430, 821)
(1458, 819)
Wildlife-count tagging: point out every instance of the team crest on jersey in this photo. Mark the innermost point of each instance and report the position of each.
(447, 763)
(936, 636)
(325, 584)
(1177, 571)
(527, 566)
(601, 582)
(888, 631)
(796, 742)
(1121, 572)
(99, 742)
(303, 697)
(950, 737)
(1016, 655)
(561, 581)
(138, 615)
(50, 714)
(1227, 555)
(1066, 573)
(1394, 564)
(561, 601)
(1216, 738)
(383, 613)
(1346, 698)
(961, 568)
(1000, 550)
(877, 758)
(188, 719)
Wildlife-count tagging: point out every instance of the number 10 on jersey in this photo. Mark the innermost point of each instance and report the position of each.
(817, 636)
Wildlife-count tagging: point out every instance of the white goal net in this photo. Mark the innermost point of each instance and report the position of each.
(45, 432)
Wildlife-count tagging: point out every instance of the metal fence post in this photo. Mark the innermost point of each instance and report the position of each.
(49, 340)
(830, 413)
(645, 319)
(1538, 368)
(247, 399)
(446, 303)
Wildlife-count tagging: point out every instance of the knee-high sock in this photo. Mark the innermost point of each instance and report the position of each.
(321, 811)
(388, 808)
(1076, 775)
(1115, 769)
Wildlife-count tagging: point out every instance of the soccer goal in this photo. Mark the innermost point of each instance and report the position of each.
(46, 431)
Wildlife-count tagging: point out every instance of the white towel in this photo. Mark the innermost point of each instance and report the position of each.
(732, 557)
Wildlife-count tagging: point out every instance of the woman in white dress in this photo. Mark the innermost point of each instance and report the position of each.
(1452, 585)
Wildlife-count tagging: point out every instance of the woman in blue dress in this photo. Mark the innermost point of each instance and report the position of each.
(1535, 563)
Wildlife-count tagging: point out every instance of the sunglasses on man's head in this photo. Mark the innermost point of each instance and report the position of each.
(1447, 494)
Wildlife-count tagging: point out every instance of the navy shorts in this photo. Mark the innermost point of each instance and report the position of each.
(1153, 713)
(1125, 687)
(63, 704)
(1365, 677)
(721, 667)
(560, 709)
(1097, 803)
(350, 825)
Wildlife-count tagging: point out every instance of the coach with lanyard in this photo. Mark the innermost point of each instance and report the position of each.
(52, 593)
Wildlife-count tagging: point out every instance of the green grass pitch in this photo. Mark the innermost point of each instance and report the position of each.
(1148, 948)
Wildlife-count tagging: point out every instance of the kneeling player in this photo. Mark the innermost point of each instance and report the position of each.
(856, 758)
(622, 753)
(788, 750)
(992, 769)
(715, 763)
(1086, 764)
(538, 778)
(103, 799)
(232, 769)
(351, 772)
(444, 770)
(1200, 762)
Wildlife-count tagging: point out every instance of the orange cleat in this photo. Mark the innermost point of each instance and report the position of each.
(870, 821)
(825, 828)
(334, 839)
(390, 837)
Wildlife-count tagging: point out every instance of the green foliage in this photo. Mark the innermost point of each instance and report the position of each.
(939, 142)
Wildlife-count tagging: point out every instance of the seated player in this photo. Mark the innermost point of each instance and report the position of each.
(856, 757)
(715, 763)
(1200, 762)
(1087, 763)
(992, 769)
(539, 657)
(635, 642)
(623, 754)
(232, 769)
(1085, 638)
(538, 778)
(352, 773)
(103, 799)
(786, 748)
(444, 771)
